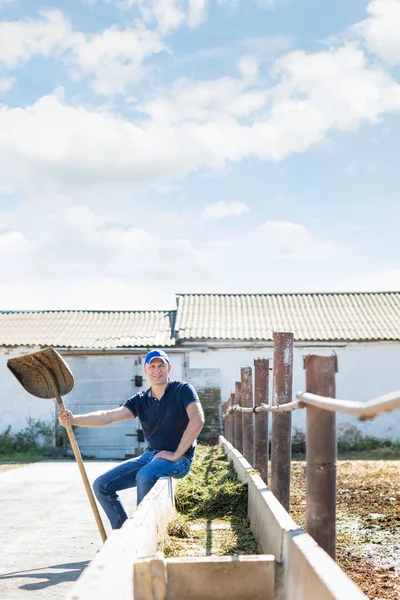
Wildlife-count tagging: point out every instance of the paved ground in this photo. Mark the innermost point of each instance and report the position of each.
(48, 534)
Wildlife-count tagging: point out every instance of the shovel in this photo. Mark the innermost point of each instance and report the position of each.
(45, 374)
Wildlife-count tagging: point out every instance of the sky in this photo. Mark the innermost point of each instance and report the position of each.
(155, 147)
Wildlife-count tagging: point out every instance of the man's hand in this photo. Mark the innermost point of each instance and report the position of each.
(167, 455)
(65, 418)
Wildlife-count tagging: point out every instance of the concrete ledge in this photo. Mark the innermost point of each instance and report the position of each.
(309, 573)
(110, 574)
(205, 578)
(268, 519)
(241, 465)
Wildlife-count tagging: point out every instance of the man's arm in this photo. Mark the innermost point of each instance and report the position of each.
(97, 418)
(195, 425)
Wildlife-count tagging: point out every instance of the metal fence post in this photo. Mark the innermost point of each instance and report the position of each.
(281, 443)
(261, 386)
(232, 421)
(321, 454)
(247, 418)
(225, 420)
(238, 418)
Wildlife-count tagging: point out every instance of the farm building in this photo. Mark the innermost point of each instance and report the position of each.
(208, 337)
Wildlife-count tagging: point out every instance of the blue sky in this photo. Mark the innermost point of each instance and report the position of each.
(153, 147)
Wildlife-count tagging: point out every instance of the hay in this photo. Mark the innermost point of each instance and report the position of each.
(212, 507)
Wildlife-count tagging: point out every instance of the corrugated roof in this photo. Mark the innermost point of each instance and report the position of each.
(86, 329)
(372, 316)
(311, 317)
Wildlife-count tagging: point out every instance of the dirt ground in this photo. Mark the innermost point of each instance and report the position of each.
(368, 522)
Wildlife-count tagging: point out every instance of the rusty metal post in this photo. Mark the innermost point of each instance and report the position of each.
(232, 420)
(238, 418)
(261, 386)
(225, 420)
(247, 418)
(281, 443)
(321, 454)
(229, 422)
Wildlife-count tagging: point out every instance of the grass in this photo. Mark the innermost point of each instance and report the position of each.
(385, 453)
(211, 489)
(22, 457)
(212, 510)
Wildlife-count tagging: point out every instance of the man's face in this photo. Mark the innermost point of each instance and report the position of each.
(157, 371)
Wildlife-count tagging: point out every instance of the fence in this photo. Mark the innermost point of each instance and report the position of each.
(246, 428)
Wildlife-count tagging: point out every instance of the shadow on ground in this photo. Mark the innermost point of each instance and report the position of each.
(69, 572)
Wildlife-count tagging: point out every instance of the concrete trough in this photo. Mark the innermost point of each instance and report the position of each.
(306, 571)
(205, 578)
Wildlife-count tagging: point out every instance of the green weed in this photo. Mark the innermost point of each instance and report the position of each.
(37, 437)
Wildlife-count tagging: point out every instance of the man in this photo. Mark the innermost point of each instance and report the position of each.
(171, 417)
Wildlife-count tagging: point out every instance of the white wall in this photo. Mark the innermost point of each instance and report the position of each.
(365, 371)
(16, 405)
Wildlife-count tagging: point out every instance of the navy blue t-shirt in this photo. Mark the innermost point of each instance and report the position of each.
(164, 421)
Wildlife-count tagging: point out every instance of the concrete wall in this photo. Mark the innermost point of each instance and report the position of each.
(365, 371)
(16, 405)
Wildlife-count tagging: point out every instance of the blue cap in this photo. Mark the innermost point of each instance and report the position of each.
(156, 354)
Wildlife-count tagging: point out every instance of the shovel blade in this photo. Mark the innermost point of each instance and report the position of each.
(44, 374)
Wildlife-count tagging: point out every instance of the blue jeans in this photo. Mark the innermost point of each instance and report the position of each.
(143, 472)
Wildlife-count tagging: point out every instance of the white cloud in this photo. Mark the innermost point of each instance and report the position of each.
(6, 84)
(92, 293)
(12, 243)
(220, 210)
(195, 125)
(207, 103)
(197, 12)
(259, 48)
(339, 87)
(248, 67)
(167, 15)
(91, 257)
(290, 240)
(385, 280)
(112, 58)
(50, 142)
(381, 30)
(49, 35)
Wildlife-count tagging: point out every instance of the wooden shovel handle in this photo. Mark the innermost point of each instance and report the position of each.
(78, 457)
